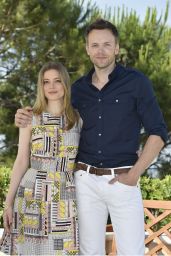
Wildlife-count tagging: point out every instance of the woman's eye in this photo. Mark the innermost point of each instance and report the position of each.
(58, 81)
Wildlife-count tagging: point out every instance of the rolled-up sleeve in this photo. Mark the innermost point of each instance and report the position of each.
(149, 111)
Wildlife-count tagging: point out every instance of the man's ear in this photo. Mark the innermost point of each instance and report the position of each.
(117, 49)
(87, 50)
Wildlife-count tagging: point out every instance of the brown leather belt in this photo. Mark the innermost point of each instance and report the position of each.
(100, 171)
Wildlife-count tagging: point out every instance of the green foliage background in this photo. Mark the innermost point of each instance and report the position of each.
(4, 181)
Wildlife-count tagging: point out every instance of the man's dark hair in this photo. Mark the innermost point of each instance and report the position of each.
(102, 24)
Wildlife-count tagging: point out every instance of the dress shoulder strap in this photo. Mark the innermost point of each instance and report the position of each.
(36, 120)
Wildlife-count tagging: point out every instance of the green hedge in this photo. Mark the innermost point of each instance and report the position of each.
(154, 189)
(4, 181)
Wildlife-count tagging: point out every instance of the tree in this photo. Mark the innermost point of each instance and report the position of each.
(146, 46)
(32, 33)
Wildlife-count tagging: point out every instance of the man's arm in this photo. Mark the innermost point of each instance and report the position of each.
(23, 117)
(152, 120)
(150, 151)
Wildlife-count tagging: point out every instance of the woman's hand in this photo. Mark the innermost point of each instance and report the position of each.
(7, 218)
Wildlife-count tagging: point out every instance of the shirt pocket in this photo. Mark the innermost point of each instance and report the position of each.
(122, 115)
(119, 109)
(84, 106)
(124, 105)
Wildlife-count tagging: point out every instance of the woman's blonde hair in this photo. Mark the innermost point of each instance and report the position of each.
(41, 101)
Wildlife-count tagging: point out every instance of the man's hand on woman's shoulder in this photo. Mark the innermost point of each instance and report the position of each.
(23, 117)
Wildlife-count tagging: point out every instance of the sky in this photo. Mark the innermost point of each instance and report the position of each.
(140, 6)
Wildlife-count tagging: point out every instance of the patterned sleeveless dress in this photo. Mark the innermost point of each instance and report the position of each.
(45, 213)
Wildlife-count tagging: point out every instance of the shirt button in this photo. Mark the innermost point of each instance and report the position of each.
(99, 100)
(101, 164)
(100, 117)
(117, 100)
(100, 134)
(99, 151)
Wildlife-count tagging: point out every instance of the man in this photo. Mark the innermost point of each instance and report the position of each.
(114, 102)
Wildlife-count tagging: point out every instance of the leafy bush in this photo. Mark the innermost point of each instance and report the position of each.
(4, 181)
(156, 189)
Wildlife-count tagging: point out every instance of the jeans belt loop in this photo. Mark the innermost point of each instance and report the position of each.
(113, 172)
(88, 169)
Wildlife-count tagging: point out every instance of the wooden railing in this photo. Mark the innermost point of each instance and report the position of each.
(157, 226)
(157, 220)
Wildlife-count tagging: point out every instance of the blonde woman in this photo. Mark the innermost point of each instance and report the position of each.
(40, 216)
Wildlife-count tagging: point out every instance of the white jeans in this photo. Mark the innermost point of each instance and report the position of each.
(95, 199)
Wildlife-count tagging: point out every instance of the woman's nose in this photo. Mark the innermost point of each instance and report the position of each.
(52, 84)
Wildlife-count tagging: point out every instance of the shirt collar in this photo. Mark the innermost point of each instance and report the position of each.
(114, 74)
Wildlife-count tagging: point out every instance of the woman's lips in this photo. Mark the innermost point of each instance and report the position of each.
(53, 92)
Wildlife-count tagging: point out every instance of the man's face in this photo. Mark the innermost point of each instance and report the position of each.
(102, 48)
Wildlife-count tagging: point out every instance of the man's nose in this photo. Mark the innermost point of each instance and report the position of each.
(101, 49)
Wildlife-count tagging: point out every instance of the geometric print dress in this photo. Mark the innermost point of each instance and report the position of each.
(45, 212)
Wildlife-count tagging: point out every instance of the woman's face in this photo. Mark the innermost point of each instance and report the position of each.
(52, 85)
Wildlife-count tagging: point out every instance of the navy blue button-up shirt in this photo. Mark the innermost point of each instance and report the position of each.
(113, 117)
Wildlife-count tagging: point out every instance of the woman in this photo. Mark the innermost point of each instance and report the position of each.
(40, 215)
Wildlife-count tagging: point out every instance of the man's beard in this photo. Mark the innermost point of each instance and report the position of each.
(103, 65)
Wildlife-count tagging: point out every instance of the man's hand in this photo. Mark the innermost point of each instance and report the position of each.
(23, 117)
(150, 151)
(125, 178)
